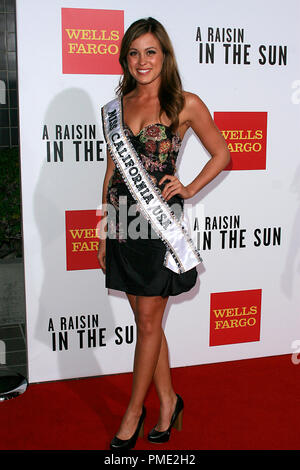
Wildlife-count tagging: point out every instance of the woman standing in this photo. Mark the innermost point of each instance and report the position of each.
(154, 258)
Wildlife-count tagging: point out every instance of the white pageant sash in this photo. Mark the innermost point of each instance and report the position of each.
(181, 254)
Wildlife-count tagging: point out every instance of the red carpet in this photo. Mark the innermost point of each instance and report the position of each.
(251, 404)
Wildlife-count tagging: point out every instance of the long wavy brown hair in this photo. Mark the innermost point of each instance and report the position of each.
(170, 93)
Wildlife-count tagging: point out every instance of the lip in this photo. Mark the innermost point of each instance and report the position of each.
(143, 71)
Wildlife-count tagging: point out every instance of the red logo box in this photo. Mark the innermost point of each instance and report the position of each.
(91, 41)
(82, 239)
(235, 317)
(246, 137)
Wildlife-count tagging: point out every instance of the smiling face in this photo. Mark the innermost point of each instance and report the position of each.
(145, 59)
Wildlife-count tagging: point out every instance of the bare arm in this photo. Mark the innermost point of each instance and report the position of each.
(103, 225)
(204, 127)
(197, 116)
(108, 174)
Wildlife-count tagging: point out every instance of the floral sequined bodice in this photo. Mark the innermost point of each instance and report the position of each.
(157, 147)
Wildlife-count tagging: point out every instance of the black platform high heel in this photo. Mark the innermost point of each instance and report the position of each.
(176, 421)
(123, 445)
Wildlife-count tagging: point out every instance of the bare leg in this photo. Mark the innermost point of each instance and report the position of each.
(162, 380)
(148, 315)
(163, 383)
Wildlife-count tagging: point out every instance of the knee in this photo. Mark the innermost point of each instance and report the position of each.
(146, 324)
(149, 314)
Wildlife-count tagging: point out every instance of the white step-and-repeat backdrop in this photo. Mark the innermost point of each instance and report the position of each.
(244, 64)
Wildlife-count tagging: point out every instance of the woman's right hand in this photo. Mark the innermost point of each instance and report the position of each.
(101, 255)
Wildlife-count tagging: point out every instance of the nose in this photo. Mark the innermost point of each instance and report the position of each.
(142, 59)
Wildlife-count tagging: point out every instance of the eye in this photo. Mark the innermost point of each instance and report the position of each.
(132, 53)
(151, 52)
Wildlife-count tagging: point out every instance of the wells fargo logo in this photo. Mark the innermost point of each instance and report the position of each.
(91, 40)
(235, 317)
(82, 239)
(246, 137)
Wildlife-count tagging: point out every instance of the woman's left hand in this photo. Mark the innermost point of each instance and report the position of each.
(174, 186)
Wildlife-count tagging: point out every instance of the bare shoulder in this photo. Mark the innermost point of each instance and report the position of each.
(194, 106)
(193, 114)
